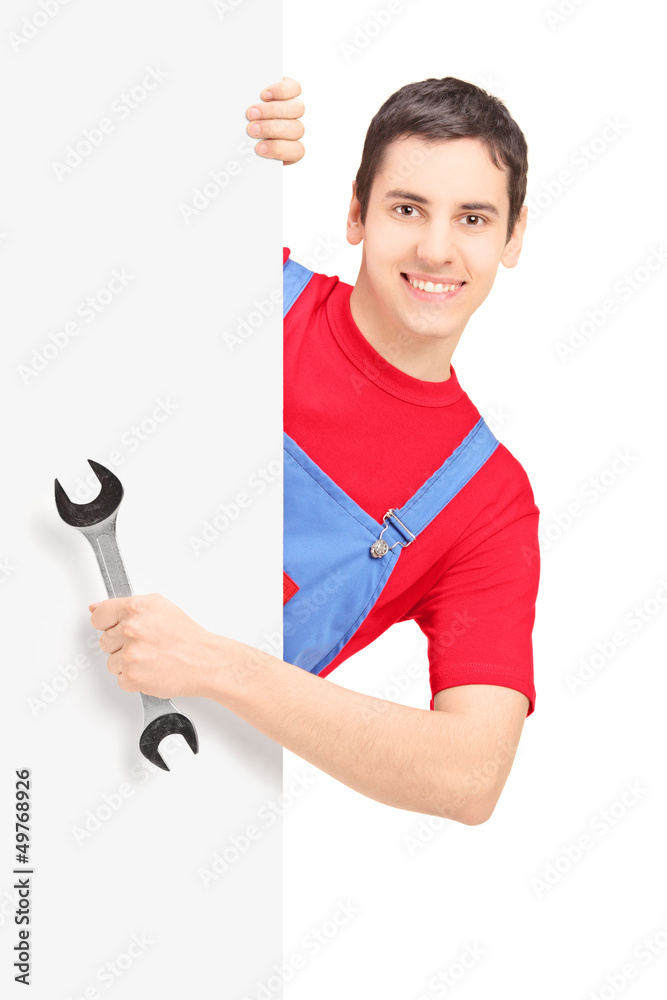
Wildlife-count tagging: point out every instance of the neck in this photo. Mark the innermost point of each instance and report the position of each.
(423, 357)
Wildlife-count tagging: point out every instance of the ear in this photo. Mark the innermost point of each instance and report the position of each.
(355, 228)
(513, 246)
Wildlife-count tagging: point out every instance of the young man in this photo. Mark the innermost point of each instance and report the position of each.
(375, 417)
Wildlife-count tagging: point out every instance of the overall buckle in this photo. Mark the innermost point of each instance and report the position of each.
(379, 547)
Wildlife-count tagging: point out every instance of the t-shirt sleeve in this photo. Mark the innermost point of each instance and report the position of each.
(285, 255)
(479, 615)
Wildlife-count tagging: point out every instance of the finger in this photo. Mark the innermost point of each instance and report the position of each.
(108, 613)
(281, 91)
(115, 664)
(111, 640)
(126, 685)
(289, 151)
(280, 128)
(293, 108)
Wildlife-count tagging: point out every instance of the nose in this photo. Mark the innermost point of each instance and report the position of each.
(437, 244)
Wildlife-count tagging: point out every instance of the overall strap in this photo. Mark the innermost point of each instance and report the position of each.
(463, 463)
(295, 279)
(334, 581)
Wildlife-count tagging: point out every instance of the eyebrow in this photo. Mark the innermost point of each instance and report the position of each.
(467, 206)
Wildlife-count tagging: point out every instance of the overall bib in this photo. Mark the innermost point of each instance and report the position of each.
(337, 559)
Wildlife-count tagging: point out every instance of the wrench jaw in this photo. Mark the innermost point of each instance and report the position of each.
(170, 724)
(106, 503)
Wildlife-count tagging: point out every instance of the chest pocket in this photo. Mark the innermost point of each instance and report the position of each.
(338, 559)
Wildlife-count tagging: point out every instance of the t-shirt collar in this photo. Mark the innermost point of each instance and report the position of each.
(368, 361)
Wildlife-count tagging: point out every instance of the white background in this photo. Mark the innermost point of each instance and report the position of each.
(426, 890)
(418, 907)
(162, 338)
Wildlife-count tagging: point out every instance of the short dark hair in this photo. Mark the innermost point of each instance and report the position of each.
(447, 109)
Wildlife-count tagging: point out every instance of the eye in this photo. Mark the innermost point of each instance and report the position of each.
(411, 208)
(477, 221)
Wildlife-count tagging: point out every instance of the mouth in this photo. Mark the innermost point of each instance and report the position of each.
(433, 290)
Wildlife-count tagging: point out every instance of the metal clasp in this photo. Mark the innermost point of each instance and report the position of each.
(380, 548)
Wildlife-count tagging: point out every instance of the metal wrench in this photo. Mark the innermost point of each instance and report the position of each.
(97, 521)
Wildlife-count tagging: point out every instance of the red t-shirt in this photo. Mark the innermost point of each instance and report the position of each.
(470, 580)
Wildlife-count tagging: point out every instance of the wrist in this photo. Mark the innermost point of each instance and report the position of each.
(226, 666)
(235, 679)
(210, 666)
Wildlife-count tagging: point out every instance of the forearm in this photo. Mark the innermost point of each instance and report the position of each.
(409, 758)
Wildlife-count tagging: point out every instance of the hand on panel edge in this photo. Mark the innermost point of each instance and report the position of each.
(275, 121)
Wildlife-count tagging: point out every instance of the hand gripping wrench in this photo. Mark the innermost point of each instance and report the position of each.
(97, 521)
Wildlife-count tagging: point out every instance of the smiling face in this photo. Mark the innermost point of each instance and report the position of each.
(434, 235)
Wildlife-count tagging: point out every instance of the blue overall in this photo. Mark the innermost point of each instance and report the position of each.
(338, 556)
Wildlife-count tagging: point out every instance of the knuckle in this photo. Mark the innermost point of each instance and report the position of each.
(131, 655)
(129, 673)
(133, 627)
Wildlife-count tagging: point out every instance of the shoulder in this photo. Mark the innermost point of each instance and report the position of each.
(305, 289)
(502, 482)
(515, 478)
(499, 498)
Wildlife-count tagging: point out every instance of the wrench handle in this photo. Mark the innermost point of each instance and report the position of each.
(110, 562)
(105, 546)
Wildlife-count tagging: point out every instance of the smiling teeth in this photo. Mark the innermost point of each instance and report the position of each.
(428, 286)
